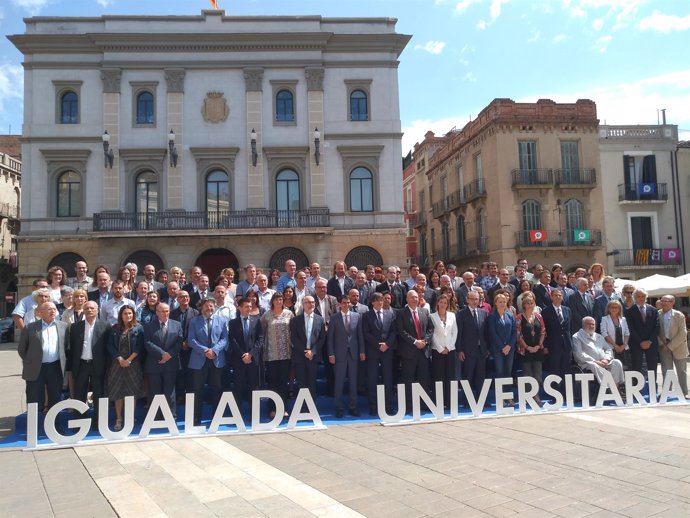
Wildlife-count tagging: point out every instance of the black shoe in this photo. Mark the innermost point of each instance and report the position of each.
(339, 413)
(354, 412)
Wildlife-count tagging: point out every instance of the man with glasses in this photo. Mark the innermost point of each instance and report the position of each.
(673, 342)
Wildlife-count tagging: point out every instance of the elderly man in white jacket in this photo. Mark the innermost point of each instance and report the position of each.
(593, 353)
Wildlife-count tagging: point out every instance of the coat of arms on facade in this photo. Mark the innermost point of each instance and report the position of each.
(215, 108)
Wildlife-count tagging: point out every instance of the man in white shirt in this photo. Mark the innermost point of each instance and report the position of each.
(111, 308)
(223, 309)
(264, 292)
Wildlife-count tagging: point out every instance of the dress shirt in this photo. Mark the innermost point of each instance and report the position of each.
(49, 337)
(309, 322)
(667, 323)
(86, 350)
(111, 308)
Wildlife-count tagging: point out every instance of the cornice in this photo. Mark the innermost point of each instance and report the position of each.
(158, 64)
(210, 153)
(142, 153)
(285, 151)
(362, 136)
(59, 140)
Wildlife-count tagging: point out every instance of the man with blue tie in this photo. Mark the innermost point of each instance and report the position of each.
(378, 330)
(308, 337)
(471, 342)
(208, 339)
(243, 351)
(581, 305)
(345, 350)
(163, 342)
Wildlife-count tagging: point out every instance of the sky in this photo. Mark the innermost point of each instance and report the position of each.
(629, 56)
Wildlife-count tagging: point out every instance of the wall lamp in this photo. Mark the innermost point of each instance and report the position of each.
(255, 155)
(108, 155)
(172, 149)
(317, 141)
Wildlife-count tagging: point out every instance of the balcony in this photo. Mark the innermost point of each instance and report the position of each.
(667, 258)
(418, 219)
(456, 199)
(532, 178)
(575, 178)
(474, 190)
(439, 208)
(9, 211)
(558, 239)
(477, 245)
(642, 193)
(222, 220)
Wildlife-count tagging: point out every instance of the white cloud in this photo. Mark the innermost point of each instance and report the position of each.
(598, 24)
(469, 77)
(622, 11)
(495, 8)
(32, 6)
(536, 36)
(602, 43)
(559, 38)
(481, 25)
(463, 5)
(665, 22)
(417, 129)
(432, 47)
(104, 3)
(467, 48)
(463, 61)
(11, 85)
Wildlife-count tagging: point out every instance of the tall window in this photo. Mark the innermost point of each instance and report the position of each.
(145, 111)
(481, 230)
(478, 171)
(146, 192)
(287, 191)
(361, 190)
(444, 192)
(527, 156)
(641, 231)
(69, 195)
(531, 215)
(574, 216)
(217, 192)
(570, 161)
(285, 106)
(461, 182)
(359, 110)
(460, 223)
(69, 108)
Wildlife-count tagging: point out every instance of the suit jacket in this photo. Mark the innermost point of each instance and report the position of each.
(156, 346)
(95, 296)
(176, 314)
(398, 293)
(542, 296)
(461, 294)
(331, 307)
(195, 297)
(600, 307)
(333, 287)
(678, 334)
(359, 308)
(490, 296)
(639, 330)
(471, 338)
(501, 333)
(99, 346)
(581, 305)
(198, 340)
(237, 345)
(374, 333)
(298, 336)
(558, 336)
(407, 333)
(341, 341)
(30, 348)
(430, 296)
(366, 291)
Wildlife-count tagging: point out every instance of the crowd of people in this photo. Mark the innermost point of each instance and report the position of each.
(124, 335)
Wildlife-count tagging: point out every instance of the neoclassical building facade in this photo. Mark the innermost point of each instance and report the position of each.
(210, 140)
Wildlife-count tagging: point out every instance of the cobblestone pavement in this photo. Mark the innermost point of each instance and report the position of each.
(627, 462)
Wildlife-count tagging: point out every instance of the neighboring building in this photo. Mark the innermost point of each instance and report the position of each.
(10, 195)
(519, 180)
(682, 197)
(641, 213)
(409, 195)
(229, 140)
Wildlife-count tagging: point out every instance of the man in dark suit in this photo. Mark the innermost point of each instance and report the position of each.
(326, 306)
(202, 292)
(415, 331)
(168, 294)
(163, 341)
(340, 284)
(42, 348)
(581, 305)
(378, 330)
(643, 322)
(397, 290)
(430, 294)
(471, 342)
(608, 294)
(88, 355)
(562, 282)
(243, 351)
(558, 343)
(103, 293)
(183, 314)
(308, 337)
(542, 289)
(502, 284)
(464, 288)
(364, 288)
(345, 345)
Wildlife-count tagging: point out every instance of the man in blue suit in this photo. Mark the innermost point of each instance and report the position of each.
(378, 329)
(163, 341)
(308, 337)
(243, 351)
(558, 343)
(208, 338)
(345, 349)
(471, 342)
(581, 305)
(608, 294)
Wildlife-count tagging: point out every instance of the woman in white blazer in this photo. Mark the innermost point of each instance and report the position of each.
(443, 346)
(614, 329)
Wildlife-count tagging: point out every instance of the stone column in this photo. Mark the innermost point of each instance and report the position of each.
(253, 79)
(315, 116)
(111, 123)
(174, 79)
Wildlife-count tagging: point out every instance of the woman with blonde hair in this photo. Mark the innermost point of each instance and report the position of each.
(598, 273)
(614, 329)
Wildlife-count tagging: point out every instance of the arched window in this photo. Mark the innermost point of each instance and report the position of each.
(217, 192)
(146, 192)
(69, 195)
(361, 190)
(285, 106)
(574, 216)
(145, 111)
(462, 236)
(69, 108)
(287, 198)
(359, 110)
(531, 215)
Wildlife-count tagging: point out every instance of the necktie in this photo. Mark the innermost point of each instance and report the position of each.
(560, 315)
(474, 316)
(548, 290)
(643, 313)
(245, 324)
(164, 331)
(379, 319)
(417, 327)
(346, 319)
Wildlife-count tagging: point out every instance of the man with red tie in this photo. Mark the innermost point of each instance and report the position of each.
(643, 322)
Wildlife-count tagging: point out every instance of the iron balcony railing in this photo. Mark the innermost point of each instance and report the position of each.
(650, 191)
(532, 177)
(647, 257)
(474, 189)
(220, 220)
(557, 238)
(577, 177)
